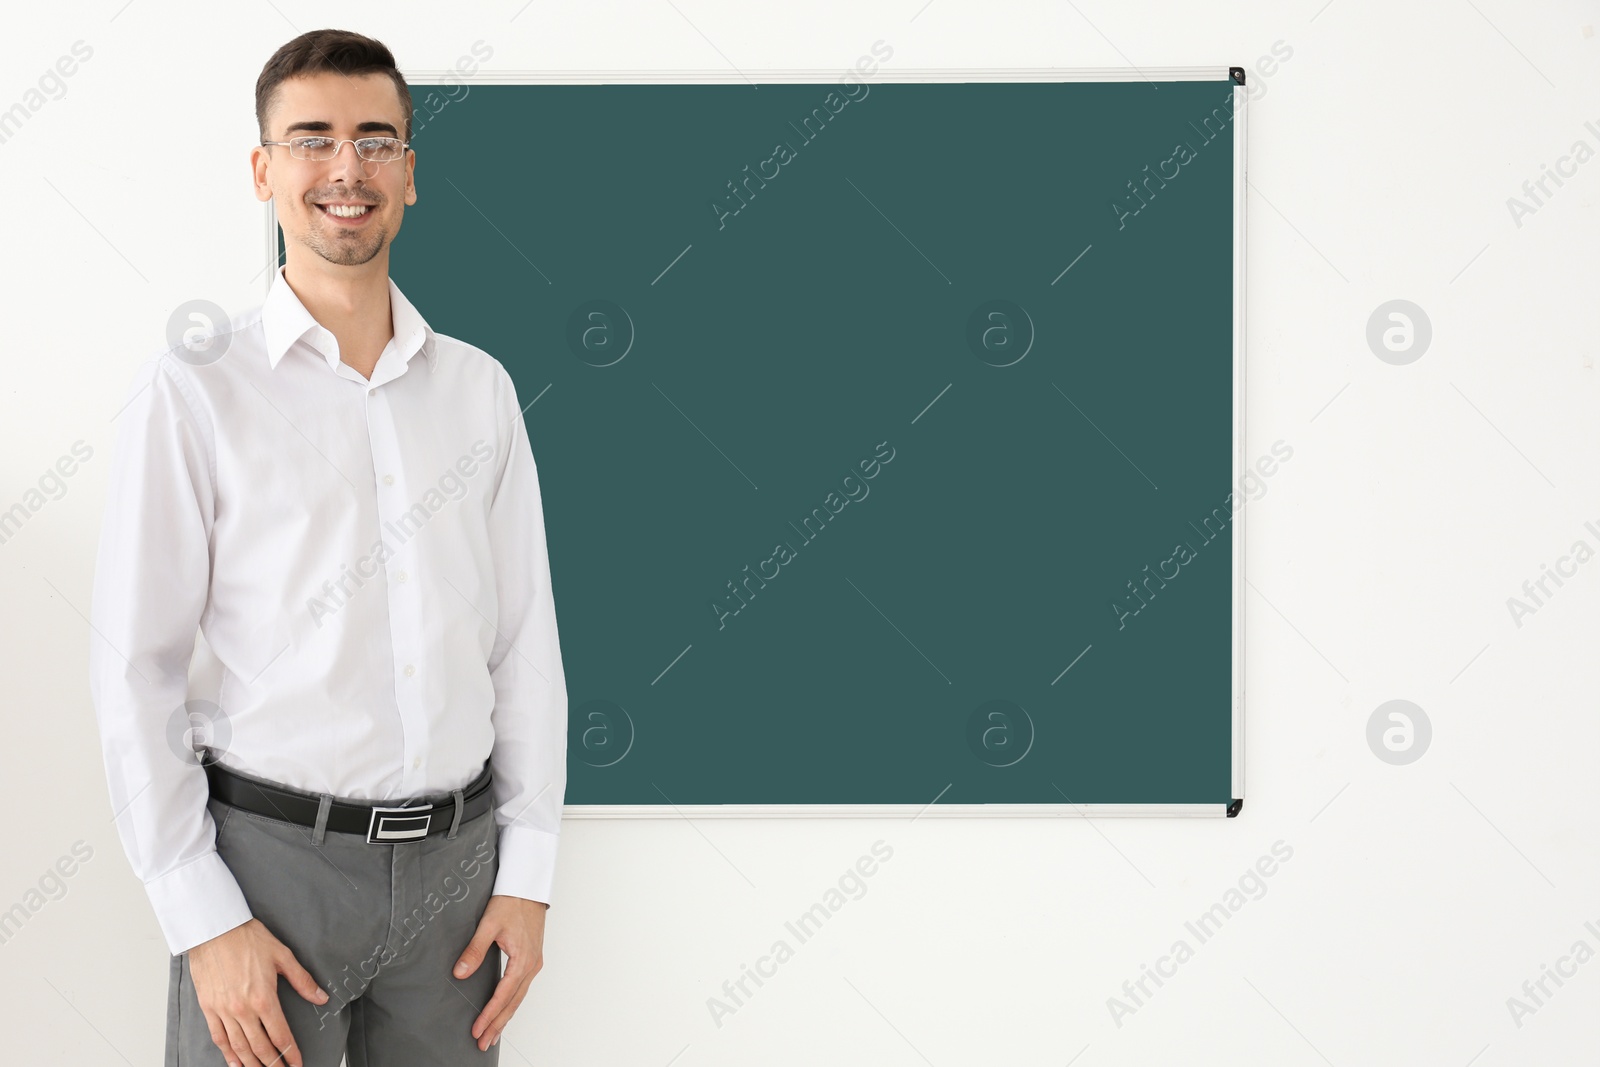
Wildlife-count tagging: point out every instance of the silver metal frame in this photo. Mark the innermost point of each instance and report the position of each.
(803, 75)
(1241, 452)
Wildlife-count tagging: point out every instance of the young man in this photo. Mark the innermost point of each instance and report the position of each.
(345, 504)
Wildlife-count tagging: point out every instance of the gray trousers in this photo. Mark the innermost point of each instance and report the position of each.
(379, 926)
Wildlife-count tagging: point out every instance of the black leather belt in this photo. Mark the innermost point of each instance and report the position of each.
(380, 824)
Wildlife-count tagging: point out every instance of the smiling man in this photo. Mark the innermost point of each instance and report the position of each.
(344, 503)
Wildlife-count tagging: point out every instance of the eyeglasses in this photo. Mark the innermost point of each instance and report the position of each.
(372, 149)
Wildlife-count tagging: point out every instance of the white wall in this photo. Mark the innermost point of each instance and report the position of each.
(1418, 898)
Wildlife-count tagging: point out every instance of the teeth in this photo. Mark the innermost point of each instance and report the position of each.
(346, 212)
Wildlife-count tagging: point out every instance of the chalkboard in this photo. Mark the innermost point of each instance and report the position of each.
(873, 418)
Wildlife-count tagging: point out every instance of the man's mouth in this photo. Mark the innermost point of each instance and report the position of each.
(347, 214)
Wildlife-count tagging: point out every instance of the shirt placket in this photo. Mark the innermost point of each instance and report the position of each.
(402, 586)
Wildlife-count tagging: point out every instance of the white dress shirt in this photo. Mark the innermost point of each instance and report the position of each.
(365, 558)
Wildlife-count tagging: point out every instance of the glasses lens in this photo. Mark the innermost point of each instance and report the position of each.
(379, 149)
(313, 147)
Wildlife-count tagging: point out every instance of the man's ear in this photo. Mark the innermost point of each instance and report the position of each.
(259, 162)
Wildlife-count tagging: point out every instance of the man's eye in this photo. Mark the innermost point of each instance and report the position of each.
(314, 142)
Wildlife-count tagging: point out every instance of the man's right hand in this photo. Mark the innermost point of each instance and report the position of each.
(236, 980)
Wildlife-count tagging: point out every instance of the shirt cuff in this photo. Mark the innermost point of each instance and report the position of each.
(527, 863)
(196, 902)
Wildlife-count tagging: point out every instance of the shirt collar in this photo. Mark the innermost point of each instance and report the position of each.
(285, 320)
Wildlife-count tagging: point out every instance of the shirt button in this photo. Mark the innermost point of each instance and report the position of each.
(388, 479)
(401, 576)
(416, 763)
(410, 670)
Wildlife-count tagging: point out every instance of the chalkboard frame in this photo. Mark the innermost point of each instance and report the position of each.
(422, 78)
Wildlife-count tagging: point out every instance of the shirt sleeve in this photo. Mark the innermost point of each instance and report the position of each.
(151, 584)
(529, 757)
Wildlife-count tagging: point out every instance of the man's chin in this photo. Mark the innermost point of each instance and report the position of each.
(345, 254)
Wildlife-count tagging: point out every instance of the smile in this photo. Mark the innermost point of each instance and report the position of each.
(348, 214)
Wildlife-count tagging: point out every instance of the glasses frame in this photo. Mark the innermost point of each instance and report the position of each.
(340, 143)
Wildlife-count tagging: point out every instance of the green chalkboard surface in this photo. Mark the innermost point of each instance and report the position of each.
(869, 418)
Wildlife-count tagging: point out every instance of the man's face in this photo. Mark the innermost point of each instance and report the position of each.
(329, 104)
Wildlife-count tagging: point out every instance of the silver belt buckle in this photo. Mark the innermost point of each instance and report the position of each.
(398, 824)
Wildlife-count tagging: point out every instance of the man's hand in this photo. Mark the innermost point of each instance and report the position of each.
(236, 980)
(518, 925)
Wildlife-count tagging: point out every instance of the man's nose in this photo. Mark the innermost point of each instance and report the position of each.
(349, 163)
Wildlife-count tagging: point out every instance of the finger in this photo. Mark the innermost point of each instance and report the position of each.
(265, 1052)
(498, 1026)
(219, 1034)
(301, 979)
(504, 990)
(282, 1039)
(476, 949)
(238, 1052)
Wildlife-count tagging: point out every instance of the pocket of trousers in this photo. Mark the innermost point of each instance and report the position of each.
(221, 822)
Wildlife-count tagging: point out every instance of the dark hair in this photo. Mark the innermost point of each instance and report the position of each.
(339, 51)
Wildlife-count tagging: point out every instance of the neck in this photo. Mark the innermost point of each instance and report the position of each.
(352, 303)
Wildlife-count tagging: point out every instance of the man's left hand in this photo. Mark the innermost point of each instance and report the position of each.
(518, 926)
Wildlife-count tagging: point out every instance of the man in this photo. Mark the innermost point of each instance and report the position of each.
(345, 504)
